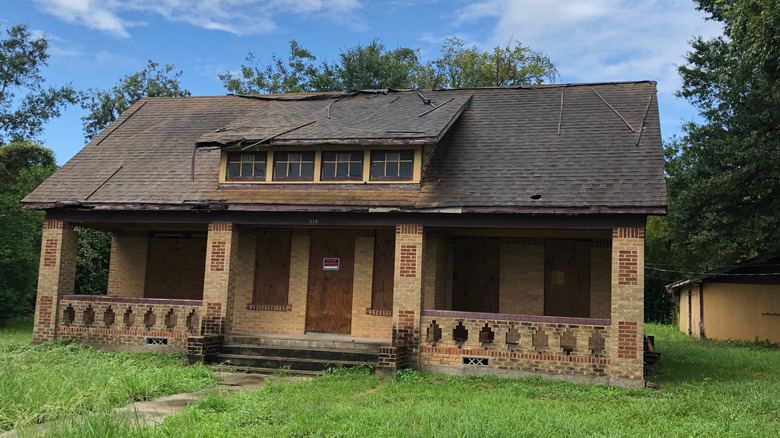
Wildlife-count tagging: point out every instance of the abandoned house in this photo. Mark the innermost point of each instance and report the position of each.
(740, 302)
(486, 230)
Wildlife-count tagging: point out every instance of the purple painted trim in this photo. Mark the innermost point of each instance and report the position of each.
(106, 299)
(513, 317)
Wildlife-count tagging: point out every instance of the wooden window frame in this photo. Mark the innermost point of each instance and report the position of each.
(400, 160)
(255, 160)
(351, 162)
(304, 156)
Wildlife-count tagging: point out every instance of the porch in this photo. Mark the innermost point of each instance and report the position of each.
(445, 299)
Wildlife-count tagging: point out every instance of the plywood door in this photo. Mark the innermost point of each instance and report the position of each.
(329, 303)
(475, 276)
(567, 278)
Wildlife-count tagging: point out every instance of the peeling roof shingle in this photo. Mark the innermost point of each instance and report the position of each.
(510, 147)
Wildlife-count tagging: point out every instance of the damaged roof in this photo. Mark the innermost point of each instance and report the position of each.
(544, 148)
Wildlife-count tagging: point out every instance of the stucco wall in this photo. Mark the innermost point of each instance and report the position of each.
(741, 311)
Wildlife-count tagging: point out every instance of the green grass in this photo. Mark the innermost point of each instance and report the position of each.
(705, 388)
(57, 380)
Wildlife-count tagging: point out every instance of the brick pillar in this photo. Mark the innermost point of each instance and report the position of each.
(56, 276)
(408, 291)
(219, 283)
(127, 270)
(625, 343)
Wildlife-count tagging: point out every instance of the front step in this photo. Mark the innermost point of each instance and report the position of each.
(296, 354)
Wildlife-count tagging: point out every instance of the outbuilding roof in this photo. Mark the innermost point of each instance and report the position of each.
(566, 148)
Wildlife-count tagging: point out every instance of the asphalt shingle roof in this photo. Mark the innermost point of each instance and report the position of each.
(548, 146)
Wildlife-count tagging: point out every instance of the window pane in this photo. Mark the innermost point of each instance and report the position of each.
(247, 157)
(392, 169)
(234, 169)
(406, 170)
(392, 156)
(293, 157)
(294, 170)
(407, 155)
(307, 170)
(377, 169)
(259, 169)
(234, 158)
(328, 156)
(281, 170)
(356, 169)
(246, 169)
(342, 170)
(307, 156)
(328, 170)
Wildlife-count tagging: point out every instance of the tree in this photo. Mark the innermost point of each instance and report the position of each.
(21, 59)
(724, 174)
(373, 66)
(106, 105)
(514, 64)
(23, 166)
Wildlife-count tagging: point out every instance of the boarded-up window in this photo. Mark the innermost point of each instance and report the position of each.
(475, 274)
(567, 277)
(175, 266)
(384, 262)
(272, 267)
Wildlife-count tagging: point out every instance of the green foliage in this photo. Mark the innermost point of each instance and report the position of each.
(22, 56)
(705, 389)
(106, 105)
(23, 166)
(724, 189)
(61, 380)
(373, 66)
(94, 249)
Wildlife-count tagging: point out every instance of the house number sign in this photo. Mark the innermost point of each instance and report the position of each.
(330, 264)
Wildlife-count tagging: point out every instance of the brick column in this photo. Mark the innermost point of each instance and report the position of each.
(625, 343)
(127, 270)
(56, 276)
(219, 283)
(408, 291)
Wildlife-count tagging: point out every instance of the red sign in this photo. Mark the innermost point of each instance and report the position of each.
(330, 264)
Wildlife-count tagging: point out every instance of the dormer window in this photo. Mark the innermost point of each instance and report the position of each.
(342, 166)
(294, 166)
(246, 166)
(392, 165)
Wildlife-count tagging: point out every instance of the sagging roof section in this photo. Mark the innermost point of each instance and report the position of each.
(357, 118)
(559, 148)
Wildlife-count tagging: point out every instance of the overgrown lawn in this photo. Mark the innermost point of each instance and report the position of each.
(57, 380)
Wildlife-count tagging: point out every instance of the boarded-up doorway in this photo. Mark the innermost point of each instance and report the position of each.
(567, 278)
(475, 274)
(331, 269)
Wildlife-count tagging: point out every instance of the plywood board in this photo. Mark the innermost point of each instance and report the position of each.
(567, 277)
(272, 267)
(475, 278)
(384, 266)
(329, 302)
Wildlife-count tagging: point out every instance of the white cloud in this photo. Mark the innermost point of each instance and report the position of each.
(599, 41)
(240, 17)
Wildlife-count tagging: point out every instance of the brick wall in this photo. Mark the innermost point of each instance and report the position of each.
(220, 276)
(289, 320)
(56, 276)
(127, 324)
(365, 322)
(627, 310)
(127, 267)
(521, 282)
(407, 296)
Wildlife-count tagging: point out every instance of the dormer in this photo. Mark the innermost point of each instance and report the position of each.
(367, 138)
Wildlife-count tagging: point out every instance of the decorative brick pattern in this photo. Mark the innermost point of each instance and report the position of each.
(627, 340)
(627, 273)
(49, 224)
(220, 226)
(213, 322)
(217, 262)
(45, 310)
(379, 312)
(628, 233)
(409, 229)
(50, 252)
(269, 307)
(408, 261)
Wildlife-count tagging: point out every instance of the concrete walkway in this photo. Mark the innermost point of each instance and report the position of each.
(152, 412)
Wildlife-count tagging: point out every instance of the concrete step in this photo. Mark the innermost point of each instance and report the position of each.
(309, 341)
(323, 354)
(256, 370)
(293, 365)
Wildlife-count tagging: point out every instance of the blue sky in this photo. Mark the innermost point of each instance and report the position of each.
(93, 43)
